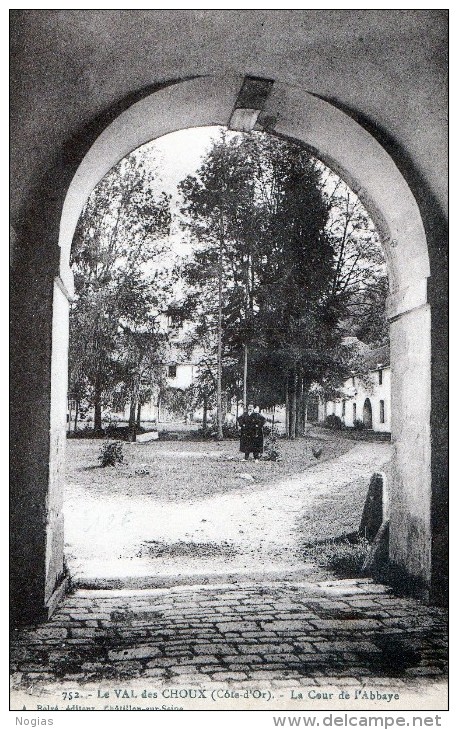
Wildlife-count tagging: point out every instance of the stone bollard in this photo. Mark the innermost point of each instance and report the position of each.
(373, 512)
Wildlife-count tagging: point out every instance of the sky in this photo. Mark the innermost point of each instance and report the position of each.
(176, 156)
(173, 157)
(180, 153)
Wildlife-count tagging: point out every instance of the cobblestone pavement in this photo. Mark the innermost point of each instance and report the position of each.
(353, 633)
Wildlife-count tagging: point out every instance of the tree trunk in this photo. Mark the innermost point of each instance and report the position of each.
(132, 433)
(97, 411)
(139, 415)
(273, 421)
(293, 416)
(300, 407)
(77, 410)
(287, 407)
(245, 375)
(304, 406)
(204, 415)
(219, 414)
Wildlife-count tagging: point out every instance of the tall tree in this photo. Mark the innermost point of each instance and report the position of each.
(297, 253)
(120, 232)
(215, 203)
(265, 195)
(360, 285)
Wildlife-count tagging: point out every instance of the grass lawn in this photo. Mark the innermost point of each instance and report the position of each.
(192, 469)
(176, 510)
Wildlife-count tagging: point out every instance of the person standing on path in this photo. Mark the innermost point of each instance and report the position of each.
(244, 425)
(251, 436)
(257, 435)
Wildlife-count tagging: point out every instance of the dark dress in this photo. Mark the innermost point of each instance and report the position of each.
(243, 422)
(251, 436)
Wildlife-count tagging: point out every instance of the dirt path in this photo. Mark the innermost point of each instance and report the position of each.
(143, 541)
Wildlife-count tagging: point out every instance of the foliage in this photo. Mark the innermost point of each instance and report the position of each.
(334, 422)
(358, 425)
(111, 453)
(301, 267)
(115, 341)
(271, 449)
(359, 285)
(84, 433)
(230, 431)
(206, 433)
(178, 401)
(370, 323)
(261, 199)
(345, 555)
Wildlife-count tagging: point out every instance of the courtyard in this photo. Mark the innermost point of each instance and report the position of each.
(175, 512)
(192, 581)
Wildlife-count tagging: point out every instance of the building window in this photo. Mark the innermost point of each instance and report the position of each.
(354, 412)
(343, 409)
(380, 377)
(173, 319)
(353, 382)
(172, 371)
(382, 411)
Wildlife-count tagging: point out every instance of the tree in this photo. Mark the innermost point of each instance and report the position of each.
(215, 202)
(289, 254)
(141, 354)
(360, 284)
(118, 293)
(275, 261)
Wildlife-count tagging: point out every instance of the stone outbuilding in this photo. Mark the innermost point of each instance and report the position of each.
(365, 396)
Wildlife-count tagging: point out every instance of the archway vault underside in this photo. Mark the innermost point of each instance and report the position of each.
(247, 103)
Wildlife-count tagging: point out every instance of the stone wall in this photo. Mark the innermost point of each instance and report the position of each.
(340, 87)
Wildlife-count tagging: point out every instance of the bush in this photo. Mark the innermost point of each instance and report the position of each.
(111, 453)
(344, 556)
(113, 430)
(87, 432)
(333, 421)
(271, 450)
(358, 425)
(206, 433)
(230, 431)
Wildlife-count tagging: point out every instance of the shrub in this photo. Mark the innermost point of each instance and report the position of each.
(87, 432)
(344, 556)
(230, 431)
(111, 453)
(333, 421)
(112, 430)
(271, 450)
(358, 425)
(206, 433)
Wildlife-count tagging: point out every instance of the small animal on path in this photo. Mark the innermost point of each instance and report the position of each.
(317, 452)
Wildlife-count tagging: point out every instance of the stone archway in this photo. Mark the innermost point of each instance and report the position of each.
(367, 413)
(246, 103)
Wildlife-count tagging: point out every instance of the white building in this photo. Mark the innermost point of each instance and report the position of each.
(365, 397)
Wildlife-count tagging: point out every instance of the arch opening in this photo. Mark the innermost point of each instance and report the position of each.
(372, 175)
(153, 413)
(367, 414)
